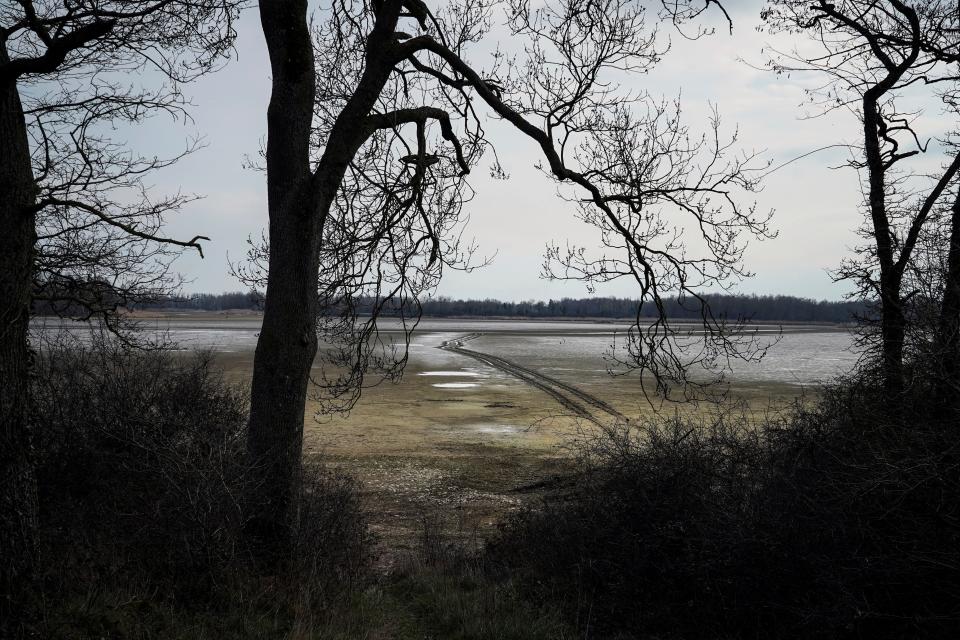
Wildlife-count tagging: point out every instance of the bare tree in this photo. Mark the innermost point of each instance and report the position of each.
(875, 56)
(81, 233)
(376, 118)
(949, 329)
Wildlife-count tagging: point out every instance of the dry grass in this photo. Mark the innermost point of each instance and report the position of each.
(415, 447)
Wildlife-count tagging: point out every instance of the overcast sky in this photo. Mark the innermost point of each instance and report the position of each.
(816, 207)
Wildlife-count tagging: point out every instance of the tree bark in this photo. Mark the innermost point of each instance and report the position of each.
(298, 205)
(18, 495)
(288, 341)
(949, 329)
(892, 321)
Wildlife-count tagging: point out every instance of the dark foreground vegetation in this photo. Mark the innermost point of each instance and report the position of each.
(832, 520)
(142, 479)
(837, 520)
(761, 308)
(142, 532)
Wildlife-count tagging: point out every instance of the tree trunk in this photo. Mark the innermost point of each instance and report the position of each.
(892, 334)
(949, 329)
(18, 496)
(892, 321)
(298, 206)
(288, 340)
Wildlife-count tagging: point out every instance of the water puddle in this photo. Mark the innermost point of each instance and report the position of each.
(452, 374)
(496, 429)
(456, 385)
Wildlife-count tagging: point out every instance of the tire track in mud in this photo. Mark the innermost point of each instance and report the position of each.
(558, 390)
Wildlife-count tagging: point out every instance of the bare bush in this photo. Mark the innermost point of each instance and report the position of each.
(142, 478)
(141, 446)
(816, 524)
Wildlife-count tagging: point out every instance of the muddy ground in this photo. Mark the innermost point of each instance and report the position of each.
(462, 442)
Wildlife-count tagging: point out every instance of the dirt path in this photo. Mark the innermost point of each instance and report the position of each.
(567, 395)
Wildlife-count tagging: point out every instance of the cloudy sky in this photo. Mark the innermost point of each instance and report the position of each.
(816, 212)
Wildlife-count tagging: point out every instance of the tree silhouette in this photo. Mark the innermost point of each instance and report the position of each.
(80, 229)
(375, 121)
(873, 55)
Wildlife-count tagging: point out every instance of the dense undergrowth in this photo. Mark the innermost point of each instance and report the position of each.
(141, 482)
(831, 520)
(141, 479)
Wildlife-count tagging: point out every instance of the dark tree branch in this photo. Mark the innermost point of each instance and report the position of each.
(57, 51)
(420, 115)
(114, 221)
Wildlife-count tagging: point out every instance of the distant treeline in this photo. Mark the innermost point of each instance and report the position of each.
(774, 308)
(65, 303)
(761, 308)
(228, 300)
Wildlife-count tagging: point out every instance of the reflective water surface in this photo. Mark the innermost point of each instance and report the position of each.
(567, 350)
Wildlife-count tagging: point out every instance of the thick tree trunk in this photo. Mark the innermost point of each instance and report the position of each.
(288, 341)
(18, 496)
(298, 206)
(284, 356)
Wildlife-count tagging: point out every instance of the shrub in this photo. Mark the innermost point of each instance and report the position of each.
(140, 452)
(829, 522)
(874, 512)
(650, 536)
(141, 477)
